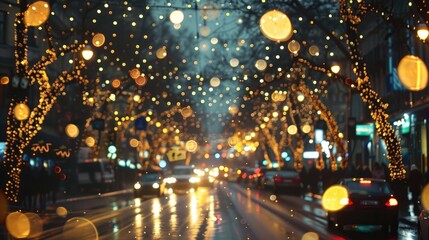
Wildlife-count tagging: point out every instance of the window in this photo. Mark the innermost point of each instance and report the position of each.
(2, 27)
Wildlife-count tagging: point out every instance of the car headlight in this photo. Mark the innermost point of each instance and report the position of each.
(155, 185)
(194, 179)
(137, 186)
(170, 180)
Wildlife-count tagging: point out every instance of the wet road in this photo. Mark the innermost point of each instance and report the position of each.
(227, 211)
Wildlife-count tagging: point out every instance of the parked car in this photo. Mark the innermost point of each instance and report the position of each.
(95, 174)
(423, 225)
(370, 202)
(282, 181)
(149, 183)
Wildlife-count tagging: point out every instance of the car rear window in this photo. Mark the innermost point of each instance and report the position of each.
(149, 177)
(183, 171)
(368, 187)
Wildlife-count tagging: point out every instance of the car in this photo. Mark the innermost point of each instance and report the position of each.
(149, 183)
(182, 177)
(369, 201)
(423, 224)
(282, 181)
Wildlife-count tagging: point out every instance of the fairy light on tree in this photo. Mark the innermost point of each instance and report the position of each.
(21, 130)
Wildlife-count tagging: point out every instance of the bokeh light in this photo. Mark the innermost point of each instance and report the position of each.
(79, 228)
(18, 225)
(37, 13)
(72, 130)
(276, 26)
(413, 73)
(310, 236)
(61, 211)
(332, 196)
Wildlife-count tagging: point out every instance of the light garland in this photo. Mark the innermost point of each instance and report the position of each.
(20, 133)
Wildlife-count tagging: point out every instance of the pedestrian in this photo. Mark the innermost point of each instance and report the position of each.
(415, 185)
(313, 179)
(378, 171)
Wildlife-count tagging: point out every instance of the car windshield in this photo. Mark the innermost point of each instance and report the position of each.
(149, 177)
(367, 187)
(183, 171)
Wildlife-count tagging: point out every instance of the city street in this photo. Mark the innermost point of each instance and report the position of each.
(226, 211)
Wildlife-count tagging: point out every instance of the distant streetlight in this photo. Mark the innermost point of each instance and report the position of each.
(87, 52)
(422, 31)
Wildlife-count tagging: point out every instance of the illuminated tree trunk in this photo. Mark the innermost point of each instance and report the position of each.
(20, 133)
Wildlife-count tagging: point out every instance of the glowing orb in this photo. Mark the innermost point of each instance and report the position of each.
(177, 17)
(161, 53)
(98, 40)
(191, 146)
(79, 228)
(215, 82)
(21, 111)
(141, 80)
(261, 64)
(134, 73)
(18, 225)
(306, 128)
(233, 109)
(61, 211)
(72, 130)
(413, 73)
(314, 50)
(134, 142)
(116, 83)
(276, 26)
(209, 11)
(4, 80)
(292, 129)
(90, 141)
(186, 112)
(234, 62)
(293, 46)
(37, 13)
(205, 31)
(310, 236)
(332, 197)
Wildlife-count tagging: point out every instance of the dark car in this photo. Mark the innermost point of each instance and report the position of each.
(282, 182)
(370, 202)
(149, 183)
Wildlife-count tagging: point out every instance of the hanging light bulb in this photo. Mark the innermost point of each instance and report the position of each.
(87, 52)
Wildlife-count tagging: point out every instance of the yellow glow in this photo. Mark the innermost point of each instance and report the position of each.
(37, 13)
(293, 46)
(134, 142)
(98, 40)
(191, 146)
(425, 197)
(310, 236)
(21, 111)
(177, 17)
(292, 129)
(61, 211)
(18, 225)
(90, 141)
(4, 80)
(276, 26)
(72, 130)
(332, 197)
(413, 73)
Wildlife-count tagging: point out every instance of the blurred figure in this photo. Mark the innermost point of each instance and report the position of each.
(415, 185)
(313, 179)
(378, 171)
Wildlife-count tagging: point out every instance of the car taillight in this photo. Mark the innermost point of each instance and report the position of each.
(392, 202)
(278, 179)
(296, 180)
(346, 202)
